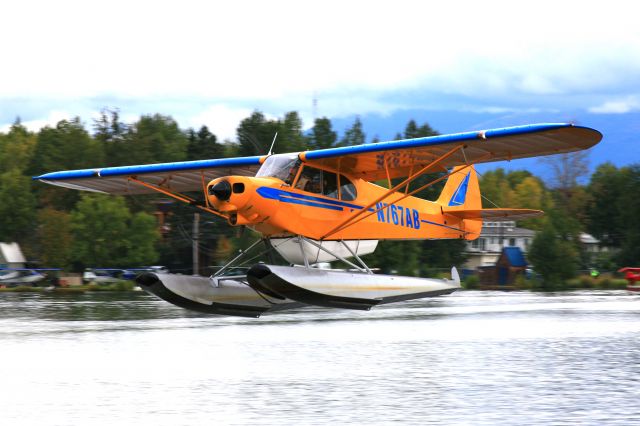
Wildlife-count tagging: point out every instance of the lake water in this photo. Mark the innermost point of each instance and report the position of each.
(477, 358)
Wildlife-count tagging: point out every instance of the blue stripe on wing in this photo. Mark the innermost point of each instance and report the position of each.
(152, 168)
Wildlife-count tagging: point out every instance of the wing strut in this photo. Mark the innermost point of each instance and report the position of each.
(180, 197)
(358, 216)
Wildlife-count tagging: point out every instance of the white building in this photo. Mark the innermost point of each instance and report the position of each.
(485, 250)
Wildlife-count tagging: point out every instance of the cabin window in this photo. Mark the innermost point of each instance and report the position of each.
(512, 242)
(318, 182)
(284, 167)
(347, 189)
(329, 184)
(310, 180)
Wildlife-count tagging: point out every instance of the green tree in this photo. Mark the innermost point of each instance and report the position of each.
(495, 188)
(54, 238)
(629, 206)
(353, 135)
(155, 139)
(290, 137)
(203, 145)
(607, 190)
(554, 258)
(530, 193)
(106, 234)
(412, 130)
(17, 206)
(322, 136)
(110, 132)
(256, 133)
(396, 257)
(16, 148)
(67, 146)
(143, 235)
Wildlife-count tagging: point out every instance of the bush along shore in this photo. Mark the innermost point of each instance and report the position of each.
(581, 282)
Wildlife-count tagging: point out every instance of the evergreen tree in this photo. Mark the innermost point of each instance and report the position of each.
(322, 136)
(353, 135)
(203, 145)
(110, 133)
(412, 130)
(290, 138)
(256, 133)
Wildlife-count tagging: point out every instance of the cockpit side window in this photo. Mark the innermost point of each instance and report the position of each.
(318, 182)
(329, 184)
(347, 189)
(310, 180)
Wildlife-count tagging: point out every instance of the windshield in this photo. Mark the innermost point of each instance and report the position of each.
(283, 167)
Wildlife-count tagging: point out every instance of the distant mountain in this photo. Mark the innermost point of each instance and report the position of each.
(620, 144)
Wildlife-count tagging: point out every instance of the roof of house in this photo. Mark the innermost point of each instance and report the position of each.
(514, 256)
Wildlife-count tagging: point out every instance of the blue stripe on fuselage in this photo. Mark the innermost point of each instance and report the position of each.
(307, 200)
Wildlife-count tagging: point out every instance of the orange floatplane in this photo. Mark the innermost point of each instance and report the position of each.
(325, 205)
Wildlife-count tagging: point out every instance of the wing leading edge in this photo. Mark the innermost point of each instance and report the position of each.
(400, 158)
(181, 176)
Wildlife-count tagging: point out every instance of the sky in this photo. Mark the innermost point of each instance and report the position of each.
(212, 63)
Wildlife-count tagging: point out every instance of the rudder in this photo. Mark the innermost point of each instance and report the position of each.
(461, 191)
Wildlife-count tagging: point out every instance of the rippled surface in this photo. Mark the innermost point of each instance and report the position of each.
(468, 358)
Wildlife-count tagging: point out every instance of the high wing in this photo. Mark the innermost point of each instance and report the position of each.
(401, 158)
(371, 162)
(178, 177)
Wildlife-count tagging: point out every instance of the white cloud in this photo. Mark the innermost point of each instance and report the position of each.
(35, 125)
(220, 119)
(279, 52)
(618, 106)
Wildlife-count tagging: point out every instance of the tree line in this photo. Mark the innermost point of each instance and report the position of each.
(57, 227)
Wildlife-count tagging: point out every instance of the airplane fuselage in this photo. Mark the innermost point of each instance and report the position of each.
(273, 207)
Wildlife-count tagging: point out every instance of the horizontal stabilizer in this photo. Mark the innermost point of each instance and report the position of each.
(495, 214)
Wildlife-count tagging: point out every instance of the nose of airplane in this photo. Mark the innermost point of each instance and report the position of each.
(221, 190)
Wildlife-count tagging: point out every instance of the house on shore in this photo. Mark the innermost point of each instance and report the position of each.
(486, 249)
(503, 274)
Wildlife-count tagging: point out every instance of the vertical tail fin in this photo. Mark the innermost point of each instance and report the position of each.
(461, 191)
